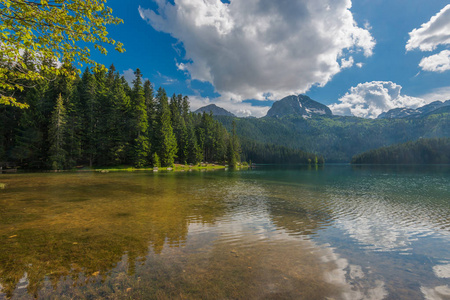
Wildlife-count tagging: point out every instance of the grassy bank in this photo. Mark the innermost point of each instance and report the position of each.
(177, 167)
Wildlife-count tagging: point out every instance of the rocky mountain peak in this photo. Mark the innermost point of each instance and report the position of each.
(298, 105)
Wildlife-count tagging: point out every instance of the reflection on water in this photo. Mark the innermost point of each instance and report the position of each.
(340, 232)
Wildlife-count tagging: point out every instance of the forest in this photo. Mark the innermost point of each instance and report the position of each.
(274, 154)
(422, 151)
(98, 119)
(338, 138)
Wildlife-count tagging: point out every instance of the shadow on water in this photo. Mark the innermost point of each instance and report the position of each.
(166, 235)
(80, 224)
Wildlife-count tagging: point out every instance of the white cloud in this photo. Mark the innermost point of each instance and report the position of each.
(129, 76)
(347, 63)
(166, 79)
(431, 34)
(440, 94)
(369, 99)
(436, 63)
(249, 48)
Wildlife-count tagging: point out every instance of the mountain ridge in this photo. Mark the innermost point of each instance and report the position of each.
(405, 112)
(339, 138)
(216, 110)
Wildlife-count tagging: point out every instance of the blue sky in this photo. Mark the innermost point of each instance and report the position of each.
(245, 54)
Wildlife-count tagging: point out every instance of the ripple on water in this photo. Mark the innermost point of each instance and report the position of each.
(226, 236)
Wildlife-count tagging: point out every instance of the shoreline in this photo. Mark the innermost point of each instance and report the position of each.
(176, 168)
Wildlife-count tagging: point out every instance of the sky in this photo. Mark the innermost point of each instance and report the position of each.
(360, 57)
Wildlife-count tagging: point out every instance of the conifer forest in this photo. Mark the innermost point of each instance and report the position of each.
(99, 119)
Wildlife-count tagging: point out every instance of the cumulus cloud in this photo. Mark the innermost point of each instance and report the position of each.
(431, 34)
(251, 48)
(369, 99)
(436, 63)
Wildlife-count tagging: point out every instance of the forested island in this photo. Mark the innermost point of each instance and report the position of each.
(423, 151)
(98, 119)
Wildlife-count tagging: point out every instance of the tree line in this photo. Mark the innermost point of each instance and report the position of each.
(422, 151)
(276, 154)
(98, 119)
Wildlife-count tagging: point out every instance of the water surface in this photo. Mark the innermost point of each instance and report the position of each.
(340, 232)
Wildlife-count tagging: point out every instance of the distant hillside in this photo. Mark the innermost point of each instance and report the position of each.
(399, 113)
(216, 111)
(275, 154)
(423, 151)
(300, 105)
(339, 138)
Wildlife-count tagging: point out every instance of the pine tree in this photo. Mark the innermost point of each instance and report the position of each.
(167, 143)
(236, 143)
(185, 109)
(57, 132)
(120, 122)
(88, 107)
(156, 161)
(234, 148)
(194, 152)
(179, 126)
(103, 131)
(151, 112)
(74, 127)
(140, 123)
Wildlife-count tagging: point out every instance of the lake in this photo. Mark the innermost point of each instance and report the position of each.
(338, 231)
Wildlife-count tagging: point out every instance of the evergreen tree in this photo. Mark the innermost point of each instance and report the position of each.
(104, 111)
(234, 147)
(179, 127)
(88, 106)
(120, 122)
(194, 152)
(74, 127)
(231, 154)
(167, 143)
(156, 161)
(57, 132)
(140, 122)
(151, 112)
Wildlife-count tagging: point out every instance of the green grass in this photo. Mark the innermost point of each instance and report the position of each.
(177, 167)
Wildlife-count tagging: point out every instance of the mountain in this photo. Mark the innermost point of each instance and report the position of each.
(216, 111)
(339, 138)
(300, 105)
(403, 112)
